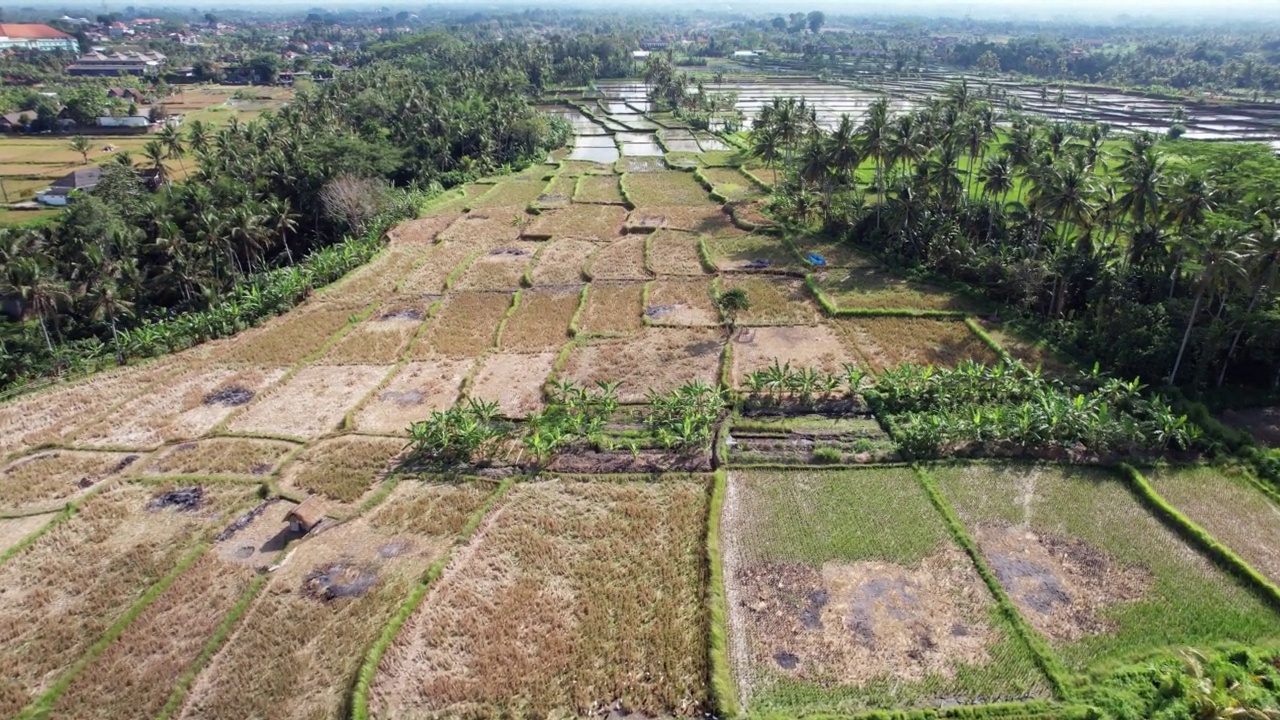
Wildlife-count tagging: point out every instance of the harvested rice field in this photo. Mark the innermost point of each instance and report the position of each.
(500, 268)
(658, 359)
(49, 478)
(337, 590)
(802, 346)
(377, 279)
(381, 338)
(671, 187)
(1091, 570)
(598, 189)
(511, 193)
(681, 303)
(414, 392)
(530, 618)
(731, 183)
(562, 262)
(612, 309)
(466, 325)
(486, 226)
(243, 457)
(883, 342)
(427, 279)
(341, 470)
(541, 322)
(872, 288)
(622, 259)
(671, 252)
(703, 219)
(752, 253)
(846, 593)
(310, 404)
(15, 530)
(586, 222)
(513, 381)
(285, 340)
(774, 300)
(64, 591)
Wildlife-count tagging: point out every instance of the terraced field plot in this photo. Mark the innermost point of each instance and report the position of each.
(846, 593)
(882, 342)
(659, 189)
(874, 288)
(1091, 570)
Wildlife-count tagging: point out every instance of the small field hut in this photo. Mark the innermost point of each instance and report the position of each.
(306, 516)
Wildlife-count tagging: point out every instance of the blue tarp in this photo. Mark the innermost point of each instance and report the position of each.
(817, 260)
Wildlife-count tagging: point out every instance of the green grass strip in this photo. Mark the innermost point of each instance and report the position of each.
(626, 196)
(1030, 710)
(515, 305)
(1049, 663)
(829, 307)
(44, 704)
(986, 338)
(364, 679)
(1221, 555)
(704, 256)
(577, 313)
(724, 691)
(65, 514)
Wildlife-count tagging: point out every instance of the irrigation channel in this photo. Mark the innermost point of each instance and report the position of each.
(622, 127)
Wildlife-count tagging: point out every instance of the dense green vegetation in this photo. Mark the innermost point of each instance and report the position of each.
(1157, 259)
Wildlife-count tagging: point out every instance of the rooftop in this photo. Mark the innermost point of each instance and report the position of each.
(32, 31)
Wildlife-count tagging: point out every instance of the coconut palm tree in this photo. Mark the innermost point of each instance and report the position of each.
(875, 143)
(30, 279)
(155, 154)
(174, 147)
(1222, 261)
(107, 303)
(766, 145)
(81, 144)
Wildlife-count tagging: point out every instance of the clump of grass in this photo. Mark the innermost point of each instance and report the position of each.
(827, 456)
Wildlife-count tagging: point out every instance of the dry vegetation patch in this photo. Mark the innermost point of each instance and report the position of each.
(561, 262)
(672, 252)
(511, 193)
(52, 414)
(558, 193)
(884, 342)
(15, 530)
(1263, 423)
(421, 231)
(846, 593)
(416, 390)
(285, 340)
(681, 302)
(514, 381)
(752, 253)
(592, 170)
(664, 188)
(499, 268)
(541, 323)
(428, 278)
(598, 189)
(311, 403)
(621, 259)
(296, 653)
(380, 339)
(590, 222)
(612, 309)
(184, 408)
(342, 469)
(61, 594)
(53, 476)
(376, 278)
(136, 674)
(220, 456)
(659, 359)
(1032, 354)
(837, 255)
(803, 346)
(555, 607)
(774, 300)
(703, 219)
(466, 326)
(257, 536)
(876, 288)
(1092, 570)
(487, 226)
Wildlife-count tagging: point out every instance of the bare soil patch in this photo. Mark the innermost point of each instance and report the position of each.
(136, 674)
(1062, 586)
(621, 259)
(54, 413)
(60, 595)
(562, 261)
(499, 268)
(612, 309)
(541, 323)
(774, 300)
(803, 346)
(702, 219)
(466, 326)
(1263, 424)
(255, 537)
(342, 469)
(659, 359)
(311, 403)
(414, 393)
(858, 622)
(657, 189)
(598, 189)
(295, 653)
(185, 408)
(672, 252)
(587, 222)
(53, 476)
(681, 302)
(514, 381)
(554, 605)
(220, 456)
(888, 341)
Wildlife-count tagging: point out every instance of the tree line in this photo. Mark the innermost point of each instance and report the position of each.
(1156, 258)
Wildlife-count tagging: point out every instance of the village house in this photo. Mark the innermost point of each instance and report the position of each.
(128, 62)
(32, 36)
(60, 192)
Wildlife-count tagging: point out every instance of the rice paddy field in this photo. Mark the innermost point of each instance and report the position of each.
(151, 566)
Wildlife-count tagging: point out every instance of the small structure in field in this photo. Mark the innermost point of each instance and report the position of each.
(306, 516)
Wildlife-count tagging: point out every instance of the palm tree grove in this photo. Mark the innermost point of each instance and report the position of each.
(602, 362)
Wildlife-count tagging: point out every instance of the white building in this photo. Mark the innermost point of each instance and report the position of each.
(31, 36)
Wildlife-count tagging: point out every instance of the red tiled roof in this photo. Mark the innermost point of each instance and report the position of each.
(32, 31)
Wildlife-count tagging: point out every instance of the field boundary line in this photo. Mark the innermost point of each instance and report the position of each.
(990, 342)
(43, 705)
(1221, 555)
(724, 693)
(512, 309)
(69, 510)
(80, 428)
(359, 707)
(1040, 651)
